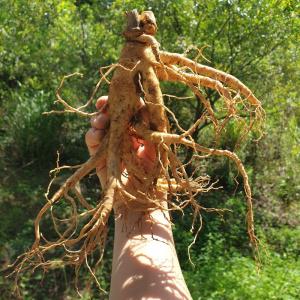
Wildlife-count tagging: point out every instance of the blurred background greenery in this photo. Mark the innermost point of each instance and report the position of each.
(257, 41)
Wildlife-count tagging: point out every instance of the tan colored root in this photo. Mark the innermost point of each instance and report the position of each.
(168, 138)
(170, 74)
(85, 232)
(34, 257)
(79, 111)
(177, 59)
(67, 107)
(195, 81)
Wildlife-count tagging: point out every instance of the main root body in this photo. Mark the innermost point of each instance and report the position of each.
(137, 74)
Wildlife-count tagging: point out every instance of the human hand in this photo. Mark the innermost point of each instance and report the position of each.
(146, 247)
(144, 150)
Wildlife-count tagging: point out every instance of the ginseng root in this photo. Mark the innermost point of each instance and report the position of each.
(136, 75)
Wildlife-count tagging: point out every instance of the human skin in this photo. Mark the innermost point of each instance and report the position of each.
(145, 264)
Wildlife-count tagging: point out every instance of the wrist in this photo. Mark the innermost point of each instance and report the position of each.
(131, 220)
(144, 252)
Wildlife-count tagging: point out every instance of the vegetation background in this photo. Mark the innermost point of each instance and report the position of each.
(255, 40)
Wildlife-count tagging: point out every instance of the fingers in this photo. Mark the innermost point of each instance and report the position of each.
(101, 104)
(147, 153)
(100, 121)
(93, 138)
(95, 134)
(144, 150)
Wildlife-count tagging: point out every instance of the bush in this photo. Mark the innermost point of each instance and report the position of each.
(231, 276)
(31, 136)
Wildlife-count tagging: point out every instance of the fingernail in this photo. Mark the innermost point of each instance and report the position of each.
(101, 102)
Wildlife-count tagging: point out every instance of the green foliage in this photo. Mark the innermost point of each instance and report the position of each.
(231, 276)
(285, 241)
(31, 135)
(257, 41)
(223, 274)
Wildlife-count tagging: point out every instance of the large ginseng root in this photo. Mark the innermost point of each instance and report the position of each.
(136, 75)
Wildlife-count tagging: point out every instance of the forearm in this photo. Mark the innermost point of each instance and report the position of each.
(145, 263)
